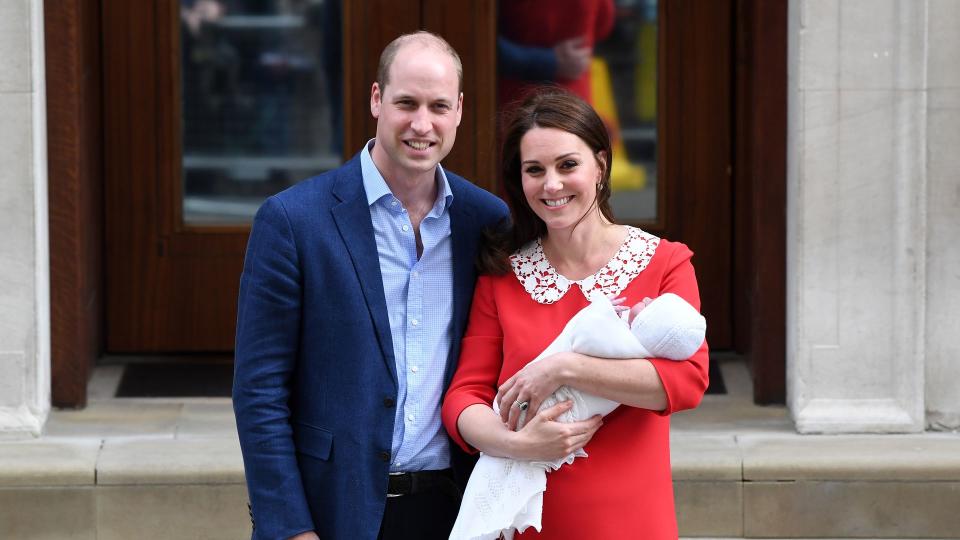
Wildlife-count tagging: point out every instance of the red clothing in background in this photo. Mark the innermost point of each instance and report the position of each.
(545, 23)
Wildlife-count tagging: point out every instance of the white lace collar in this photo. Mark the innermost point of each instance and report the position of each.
(546, 286)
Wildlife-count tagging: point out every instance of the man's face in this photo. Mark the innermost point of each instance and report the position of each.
(417, 112)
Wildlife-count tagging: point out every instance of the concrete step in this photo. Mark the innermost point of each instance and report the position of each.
(745, 485)
(763, 485)
(141, 488)
(155, 468)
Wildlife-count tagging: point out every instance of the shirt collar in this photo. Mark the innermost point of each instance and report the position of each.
(376, 187)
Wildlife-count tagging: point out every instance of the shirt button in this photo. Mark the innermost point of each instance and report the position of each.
(410, 417)
(388, 402)
(406, 228)
(414, 322)
(393, 203)
(414, 368)
(384, 456)
(415, 274)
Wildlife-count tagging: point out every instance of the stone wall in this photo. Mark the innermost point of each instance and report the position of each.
(874, 207)
(943, 217)
(24, 259)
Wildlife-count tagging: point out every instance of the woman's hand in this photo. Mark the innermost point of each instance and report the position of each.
(545, 439)
(532, 384)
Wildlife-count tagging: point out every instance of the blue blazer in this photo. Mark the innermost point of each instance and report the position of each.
(315, 381)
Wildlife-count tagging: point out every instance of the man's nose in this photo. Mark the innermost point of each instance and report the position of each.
(421, 121)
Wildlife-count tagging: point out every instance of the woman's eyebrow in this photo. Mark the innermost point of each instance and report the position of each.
(558, 158)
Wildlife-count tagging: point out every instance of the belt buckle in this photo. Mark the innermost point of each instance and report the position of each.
(392, 495)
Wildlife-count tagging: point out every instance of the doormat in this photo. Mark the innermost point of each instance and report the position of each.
(216, 380)
(716, 385)
(176, 380)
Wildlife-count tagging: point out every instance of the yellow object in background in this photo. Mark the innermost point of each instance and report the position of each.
(645, 98)
(624, 175)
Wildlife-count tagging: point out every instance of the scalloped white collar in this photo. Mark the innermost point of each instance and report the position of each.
(546, 286)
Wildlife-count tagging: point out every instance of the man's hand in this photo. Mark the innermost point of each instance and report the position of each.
(309, 535)
(573, 58)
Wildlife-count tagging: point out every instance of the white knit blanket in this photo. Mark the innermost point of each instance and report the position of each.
(505, 495)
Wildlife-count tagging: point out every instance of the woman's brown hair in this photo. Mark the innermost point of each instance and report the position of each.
(545, 107)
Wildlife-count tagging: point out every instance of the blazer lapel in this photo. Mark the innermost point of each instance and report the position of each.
(352, 217)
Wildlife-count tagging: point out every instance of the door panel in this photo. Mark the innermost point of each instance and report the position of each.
(172, 282)
(696, 154)
(172, 278)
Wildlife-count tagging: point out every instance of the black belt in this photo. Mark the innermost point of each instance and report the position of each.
(411, 483)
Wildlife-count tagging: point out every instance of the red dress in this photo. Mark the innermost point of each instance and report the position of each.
(624, 488)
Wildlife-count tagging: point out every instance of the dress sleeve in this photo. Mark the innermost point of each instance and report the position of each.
(686, 381)
(481, 359)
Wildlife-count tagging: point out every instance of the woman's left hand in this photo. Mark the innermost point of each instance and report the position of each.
(532, 384)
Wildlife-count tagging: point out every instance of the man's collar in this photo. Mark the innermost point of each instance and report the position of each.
(376, 186)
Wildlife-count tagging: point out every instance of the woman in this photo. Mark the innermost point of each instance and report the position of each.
(563, 247)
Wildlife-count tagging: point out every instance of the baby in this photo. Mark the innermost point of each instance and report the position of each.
(504, 495)
(665, 327)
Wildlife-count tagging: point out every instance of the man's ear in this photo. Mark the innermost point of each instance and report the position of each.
(459, 108)
(376, 100)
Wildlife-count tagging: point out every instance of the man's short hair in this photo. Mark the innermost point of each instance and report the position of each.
(422, 37)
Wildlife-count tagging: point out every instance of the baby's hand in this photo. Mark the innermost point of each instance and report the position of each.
(638, 308)
(618, 305)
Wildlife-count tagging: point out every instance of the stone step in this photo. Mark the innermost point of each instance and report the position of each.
(742, 485)
(781, 485)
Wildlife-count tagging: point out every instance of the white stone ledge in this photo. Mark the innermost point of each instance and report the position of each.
(835, 416)
(171, 461)
(21, 422)
(728, 459)
(851, 458)
(46, 464)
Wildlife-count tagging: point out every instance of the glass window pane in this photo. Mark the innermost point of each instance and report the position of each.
(262, 90)
(544, 41)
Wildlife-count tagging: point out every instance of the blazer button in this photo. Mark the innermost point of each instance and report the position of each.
(388, 402)
(385, 456)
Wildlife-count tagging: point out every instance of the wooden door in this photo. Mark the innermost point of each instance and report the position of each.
(695, 107)
(172, 283)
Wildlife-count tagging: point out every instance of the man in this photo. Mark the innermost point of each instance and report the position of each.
(354, 296)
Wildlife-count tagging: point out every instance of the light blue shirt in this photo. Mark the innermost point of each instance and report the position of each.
(419, 296)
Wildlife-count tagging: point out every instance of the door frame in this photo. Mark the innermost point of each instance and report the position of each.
(76, 183)
(75, 195)
(760, 194)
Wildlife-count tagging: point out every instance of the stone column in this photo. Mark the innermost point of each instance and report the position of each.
(943, 217)
(857, 224)
(24, 259)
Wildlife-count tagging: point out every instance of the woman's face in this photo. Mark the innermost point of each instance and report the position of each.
(559, 173)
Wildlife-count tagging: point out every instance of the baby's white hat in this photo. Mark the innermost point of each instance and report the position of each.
(670, 327)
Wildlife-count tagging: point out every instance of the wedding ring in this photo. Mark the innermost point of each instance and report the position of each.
(522, 405)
